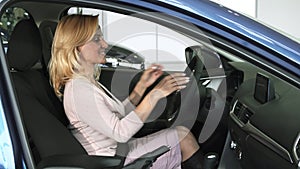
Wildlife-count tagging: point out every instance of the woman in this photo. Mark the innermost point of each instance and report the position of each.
(97, 118)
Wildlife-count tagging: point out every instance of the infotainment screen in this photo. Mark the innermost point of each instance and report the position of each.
(264, 89)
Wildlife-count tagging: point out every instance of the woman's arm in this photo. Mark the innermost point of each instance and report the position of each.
(85, 103)
(149, 76)
(137, 93)
(168, 85)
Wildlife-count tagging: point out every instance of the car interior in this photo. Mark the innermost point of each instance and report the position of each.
(43, 113)
(245, 115)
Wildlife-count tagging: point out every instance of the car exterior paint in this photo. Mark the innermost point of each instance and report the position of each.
(282, 51)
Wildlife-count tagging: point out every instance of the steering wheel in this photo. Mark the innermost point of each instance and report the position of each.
(165, 111)
(161, 118)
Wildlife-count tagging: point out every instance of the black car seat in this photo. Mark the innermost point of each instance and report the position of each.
(46, 124)
(47, 29)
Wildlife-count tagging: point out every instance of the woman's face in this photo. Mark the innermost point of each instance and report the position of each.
(93, 52)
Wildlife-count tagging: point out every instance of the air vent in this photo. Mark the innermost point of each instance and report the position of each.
(237, 109)
(245, 115)
(242, 113)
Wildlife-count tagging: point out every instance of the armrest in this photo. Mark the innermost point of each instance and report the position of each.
(81, 161)
(146, 160)
(96, 162)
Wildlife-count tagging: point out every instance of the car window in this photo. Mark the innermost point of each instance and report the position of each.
(9, 19)
(137, 43)
(6, 150)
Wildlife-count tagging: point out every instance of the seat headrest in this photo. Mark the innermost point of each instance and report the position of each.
(25, 46)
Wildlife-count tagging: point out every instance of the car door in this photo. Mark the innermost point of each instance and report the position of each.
(13, 143)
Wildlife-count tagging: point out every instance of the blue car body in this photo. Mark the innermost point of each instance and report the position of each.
(215, 19)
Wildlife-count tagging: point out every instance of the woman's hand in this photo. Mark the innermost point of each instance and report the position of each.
(166, 86)
(169, 84)
(150, 75)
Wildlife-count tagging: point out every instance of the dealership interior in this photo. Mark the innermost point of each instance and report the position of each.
(274, 15)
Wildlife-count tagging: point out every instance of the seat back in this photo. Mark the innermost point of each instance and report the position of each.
(51, 142)
(47, 29)
(41, 110)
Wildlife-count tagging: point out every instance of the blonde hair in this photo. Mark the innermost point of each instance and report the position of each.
(72, 32)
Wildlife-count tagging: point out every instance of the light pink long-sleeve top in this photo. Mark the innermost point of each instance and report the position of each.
(97, 120)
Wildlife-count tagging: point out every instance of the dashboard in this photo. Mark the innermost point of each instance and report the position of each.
(264, 121)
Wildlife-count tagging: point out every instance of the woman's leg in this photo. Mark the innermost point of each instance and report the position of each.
(188, 143)
(168, 137)
(192, 157)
